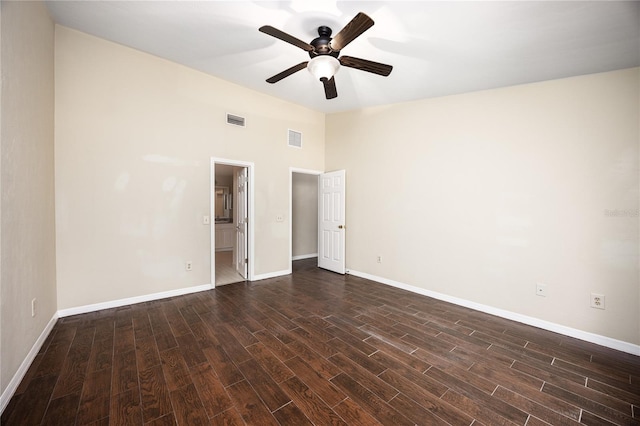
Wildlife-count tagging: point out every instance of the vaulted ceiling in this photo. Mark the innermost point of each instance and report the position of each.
(437, 48)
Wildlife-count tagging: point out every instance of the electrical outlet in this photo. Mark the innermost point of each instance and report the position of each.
(206, 220)
(279, 218)
(379, 259)
(541, 290)
(33, 307)
(188, 265)
(597, 301)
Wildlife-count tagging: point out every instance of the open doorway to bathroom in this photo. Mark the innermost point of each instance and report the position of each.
(230, 209)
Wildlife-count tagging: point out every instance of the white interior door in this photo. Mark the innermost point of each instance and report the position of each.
(331, 218)
(241, 223)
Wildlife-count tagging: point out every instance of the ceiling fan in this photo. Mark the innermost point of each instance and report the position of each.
(324, 51)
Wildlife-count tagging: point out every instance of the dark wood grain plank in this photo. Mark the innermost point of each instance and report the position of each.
(590, 405)
(175, 319)
(101, 356)
(275, 345)
(53, 359)
(224, 367)
(34, 401)
(271, 364)
(62, 411)
(211, 390)
(125, 408)
(154, 394)
(249, 404)
(368, 401)
(290, 414)
(165, 341)
(476, 410)
(535, 409)
(311, 404)
(147, 354)
(372, 382)
(124, 339)
(125, 372)
(314, 380)
(416, 412)
(176, 372)
(264, 385)
(188, 408)
(168, 420)
(30, 374)
(190, 349)
(230, 417)
(319, 363)
(353, 414)
(96, 397)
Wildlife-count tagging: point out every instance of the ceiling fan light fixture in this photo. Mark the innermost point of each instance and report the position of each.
(323, 66)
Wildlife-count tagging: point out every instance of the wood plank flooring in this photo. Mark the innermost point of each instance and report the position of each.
(316, 348)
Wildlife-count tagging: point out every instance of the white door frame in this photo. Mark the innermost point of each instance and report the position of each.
(293, 170)
(250, 209)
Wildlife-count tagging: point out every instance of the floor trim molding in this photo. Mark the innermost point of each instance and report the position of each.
(271, 275)
(132, 300)
(536, 322)
(26, 363)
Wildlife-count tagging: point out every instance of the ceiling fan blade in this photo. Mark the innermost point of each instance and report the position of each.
(274, 32)
(286, 73)
(330, 90)
(353, 29)
(365, 65)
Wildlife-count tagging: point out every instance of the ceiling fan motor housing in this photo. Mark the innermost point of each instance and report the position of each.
(324, 61)
(321, 43)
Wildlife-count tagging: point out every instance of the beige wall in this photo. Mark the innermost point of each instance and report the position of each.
(134, 136)
(495, 191)
(304, 214)
(26, 134)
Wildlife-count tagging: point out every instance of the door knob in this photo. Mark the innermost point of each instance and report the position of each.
(342, 227)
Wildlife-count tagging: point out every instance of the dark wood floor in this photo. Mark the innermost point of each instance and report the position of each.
(318, 348)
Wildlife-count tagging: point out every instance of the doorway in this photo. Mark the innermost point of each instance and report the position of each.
(231, 210)
(303, 205)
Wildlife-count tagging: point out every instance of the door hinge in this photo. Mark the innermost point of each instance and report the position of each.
(246, 261)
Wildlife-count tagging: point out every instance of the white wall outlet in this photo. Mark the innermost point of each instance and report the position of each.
(188, 265)
(206, 220)
(33, 307)
(280, 218)
(597, 301)
(379, 259)
(541, 290)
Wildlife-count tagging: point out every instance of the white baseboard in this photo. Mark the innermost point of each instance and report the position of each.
(304, 256)
(132, 300)
(536, 322)
(26, 363)
(271, 275)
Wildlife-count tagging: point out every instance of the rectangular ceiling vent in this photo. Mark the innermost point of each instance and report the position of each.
(295, 139)
(235, 120)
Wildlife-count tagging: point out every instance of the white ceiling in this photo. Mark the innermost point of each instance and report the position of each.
(437, 48)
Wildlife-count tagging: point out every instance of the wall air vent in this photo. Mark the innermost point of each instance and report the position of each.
(235, 120)
(295, 139)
